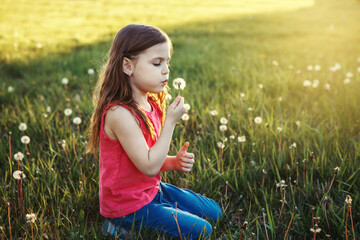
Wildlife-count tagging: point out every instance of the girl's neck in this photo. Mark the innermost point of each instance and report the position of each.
(142, 100)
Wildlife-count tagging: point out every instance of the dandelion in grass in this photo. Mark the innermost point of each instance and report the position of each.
(298, 123)
(279, 129)
(258, 120)
(187, 107)
(31, 218)
(223, 128)
(48, 109)
(242, 95)
(185, 117)
(315, 84)
(19, 156)
(347, 81)
(68, 111)
(241, 139)
(179, 83)
(307, 83)
(18, 175)
(11, 89)
(25, 140)
(221, 145)
(358, 69)
(275, 63)
(77, 121)
(316, 229)
(223, 120)
(317, 68)
(348, 202)
(39, 45)
(348, 199)
(280, 99)
(309, 68)
(168, 97)
(327, 86)
(358, 59)
(291, 66)
(65, 81)
(261, 86)
(213, 112)
(232, 137)
(349, 75)
(22, 127)
(91, 71)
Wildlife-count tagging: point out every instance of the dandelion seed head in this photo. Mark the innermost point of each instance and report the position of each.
(307, 83)
(258, 120)
(187, 107)
(349, 75)
(68, 111)
(22, 127)
(250, 109)
(179, 82)
(223, 120)
(185, 117)
(275, 63)
(45, 115)
(327, 86)
(91, 71)
(18, 174)
(11, 89)
(279, 129)
(317, 67)
(315, 84)
(39, 45)
(348, 199)
(347, 81)
(48, 109)
(232, 137)
(221, 145)
(223, 128)
(18, 156)
(336, 170)
(298, 123)
(25, 139)
(291, 66)
(65, 81)
(30, 218)
(261, 86)
(77, 120)
(242, 139)
(242, 95)
(309, 68)
(280, 99)
(168, 97)
(213, 112)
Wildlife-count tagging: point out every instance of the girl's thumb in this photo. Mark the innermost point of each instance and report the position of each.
(185, 147)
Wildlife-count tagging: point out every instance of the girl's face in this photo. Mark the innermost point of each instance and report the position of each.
(150, 69)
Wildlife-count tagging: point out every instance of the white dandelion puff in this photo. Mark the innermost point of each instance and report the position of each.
(307, 83)
(179, 83)
(347, 81)
(279, 129)
(327, 86)
(298, 123)
(91, 71)
(18, 175)
(22, 127)
(19, 156)
(223, 120)
(11, 89)
(315, 84)
(232, 137)
(185, 117)
(291, 66)
(168, 97)
(309, 68)
(213, 112)
(250, 109)
(187, 107)
(280, 99)
(223, 128)
(77, 120)
(25, 139)
(242, 95)
(348, 199)
(349, 75)
(39, 45)
(48, 109)
(317, 67)
(358, 69)
(30, 218)
(275, 63)
(64, 81)
(242, 139)
(261, 86)
(221, 145)
(258, 120)
(68, 111)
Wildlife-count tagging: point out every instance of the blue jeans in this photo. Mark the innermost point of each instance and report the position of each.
(193, 212)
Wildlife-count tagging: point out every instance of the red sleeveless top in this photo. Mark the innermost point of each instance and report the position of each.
(123, 189)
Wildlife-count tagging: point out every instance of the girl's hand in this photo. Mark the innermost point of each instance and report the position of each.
(175, 110)
(184, 161)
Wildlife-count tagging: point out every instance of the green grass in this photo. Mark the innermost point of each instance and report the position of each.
(221, 50)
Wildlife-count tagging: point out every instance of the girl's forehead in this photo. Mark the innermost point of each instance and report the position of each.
(159, 50)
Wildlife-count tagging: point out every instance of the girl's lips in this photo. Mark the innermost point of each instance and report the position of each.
(164, 82)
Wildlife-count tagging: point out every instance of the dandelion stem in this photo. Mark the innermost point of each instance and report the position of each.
(347, 215)
(292, 216)
(352, 223)
(10, 145)
(280, 145)
(267, 236)
(175, 217)
(179, 84)
(32, 231)
(332, 181)
(326, 217)
(9, 221)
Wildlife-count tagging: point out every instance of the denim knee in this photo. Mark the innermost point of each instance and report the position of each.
(214, 213)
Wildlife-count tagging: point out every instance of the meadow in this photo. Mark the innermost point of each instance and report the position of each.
(274, 119)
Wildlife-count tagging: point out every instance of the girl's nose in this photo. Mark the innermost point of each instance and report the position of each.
(165, 69)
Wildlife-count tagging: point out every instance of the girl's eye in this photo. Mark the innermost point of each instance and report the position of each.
(156, 64)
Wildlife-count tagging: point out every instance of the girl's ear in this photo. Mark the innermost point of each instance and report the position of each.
(127, 66)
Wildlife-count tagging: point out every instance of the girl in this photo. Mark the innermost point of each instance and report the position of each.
(134, 133)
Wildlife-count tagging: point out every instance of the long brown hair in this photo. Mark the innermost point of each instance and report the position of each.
(113, 84)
